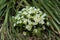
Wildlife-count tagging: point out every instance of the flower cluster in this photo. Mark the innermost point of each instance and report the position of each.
(29, 18)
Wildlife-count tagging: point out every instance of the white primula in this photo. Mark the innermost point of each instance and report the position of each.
(37, 18)
(24, 13)
(18, 18)
(30, 11)
(29, 16)
(41, 22)
(30, 8)
(28, 27)
(48, 23)
(35, 30)
(24, 33)
(29, 22)
(34, 23)
(25, 21)
(18, 22)
(14, 24)
(19, 12)
(22, 16)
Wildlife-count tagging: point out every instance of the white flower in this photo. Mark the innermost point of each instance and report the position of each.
(14, 24)
(30, 11)
(40, 12)
(35, 30)
(27, 7)
(18, 18)
(13, 17)
(34, 23)
(48, 23)
(25, 13)
(28, 15)
(43, 15)
(18, 22)
(28, 27)
(41, 22)
(29, 22)
(24, 33)
(23, 9)
(30, 8)
(37, 18)
(19, 12)
(35, 9)
(22, 16)
(43, 27)
(25, 21)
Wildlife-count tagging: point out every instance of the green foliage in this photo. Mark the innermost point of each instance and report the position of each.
(8, 8)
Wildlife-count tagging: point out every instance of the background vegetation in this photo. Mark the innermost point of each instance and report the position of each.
(8, 8)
